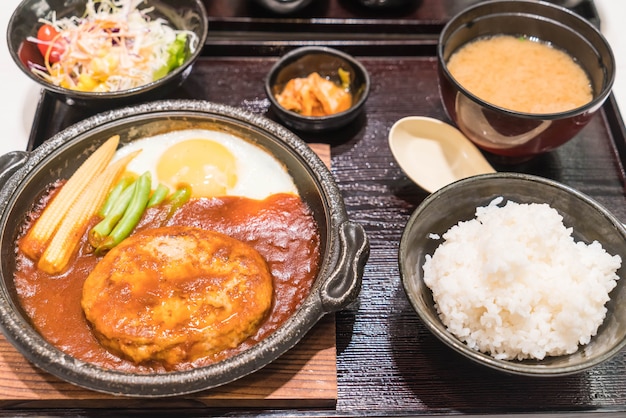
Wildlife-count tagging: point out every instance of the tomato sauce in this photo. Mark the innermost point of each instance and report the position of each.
(281, 228)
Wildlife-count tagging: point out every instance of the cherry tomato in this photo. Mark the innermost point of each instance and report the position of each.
(47, 35)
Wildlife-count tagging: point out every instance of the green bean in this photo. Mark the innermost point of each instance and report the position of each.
(159, 195)
(103, 228)
(178, 198)
(114, 194)
(132, 215)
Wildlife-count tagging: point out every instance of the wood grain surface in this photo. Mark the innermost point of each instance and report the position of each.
(387, 361)
(304, 377)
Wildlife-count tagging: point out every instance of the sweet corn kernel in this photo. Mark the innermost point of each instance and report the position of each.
(100, 88)
(102, 67)
(86, 83)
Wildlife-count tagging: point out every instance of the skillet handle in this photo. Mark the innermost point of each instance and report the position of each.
(10, 163)
(344, 285)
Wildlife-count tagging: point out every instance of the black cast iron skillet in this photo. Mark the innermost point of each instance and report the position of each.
(24, 176)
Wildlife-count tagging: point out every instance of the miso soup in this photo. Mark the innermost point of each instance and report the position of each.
(521, 74)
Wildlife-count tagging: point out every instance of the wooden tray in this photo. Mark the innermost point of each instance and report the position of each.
(388, 363)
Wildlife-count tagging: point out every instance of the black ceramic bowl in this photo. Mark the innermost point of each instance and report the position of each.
(326, 61)
(344, 246)
(513, 134)
(458, 202)
(181, 14)
(284, 6)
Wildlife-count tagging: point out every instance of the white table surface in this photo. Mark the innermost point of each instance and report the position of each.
(20, 94)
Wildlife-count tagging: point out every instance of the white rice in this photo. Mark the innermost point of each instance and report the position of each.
(513, 283)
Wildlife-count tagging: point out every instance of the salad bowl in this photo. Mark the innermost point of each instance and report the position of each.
(47, 41)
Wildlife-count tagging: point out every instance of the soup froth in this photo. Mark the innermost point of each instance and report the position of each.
(521, 74)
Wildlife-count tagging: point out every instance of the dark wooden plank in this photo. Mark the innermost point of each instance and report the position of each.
(392, 362)
(387, 361)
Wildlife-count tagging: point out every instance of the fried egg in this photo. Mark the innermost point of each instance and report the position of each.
(213, 163)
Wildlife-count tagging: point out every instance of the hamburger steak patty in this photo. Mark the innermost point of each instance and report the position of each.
(176, 294)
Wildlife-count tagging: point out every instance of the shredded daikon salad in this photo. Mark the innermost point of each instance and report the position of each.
(114, 46)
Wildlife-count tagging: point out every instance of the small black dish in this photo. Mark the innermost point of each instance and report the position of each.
(326, 61)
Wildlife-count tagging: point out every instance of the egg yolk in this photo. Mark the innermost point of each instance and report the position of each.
(207, 166)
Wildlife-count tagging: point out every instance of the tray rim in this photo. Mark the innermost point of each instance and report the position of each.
(609, 111)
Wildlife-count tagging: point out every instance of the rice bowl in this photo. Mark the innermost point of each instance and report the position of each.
(513, 282)
(457, 202)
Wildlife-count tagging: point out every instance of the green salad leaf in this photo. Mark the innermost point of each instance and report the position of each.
(177, 54)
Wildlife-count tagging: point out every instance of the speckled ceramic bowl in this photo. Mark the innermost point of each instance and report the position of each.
(344, 245)
(458, 202)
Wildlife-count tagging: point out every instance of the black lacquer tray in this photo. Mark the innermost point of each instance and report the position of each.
(387, 361)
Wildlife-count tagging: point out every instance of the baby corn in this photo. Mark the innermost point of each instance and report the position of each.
(35, 241)
(65, 241)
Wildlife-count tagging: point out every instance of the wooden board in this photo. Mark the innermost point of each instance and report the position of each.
(305, 376)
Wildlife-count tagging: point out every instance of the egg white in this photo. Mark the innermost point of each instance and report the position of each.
(259, 174)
